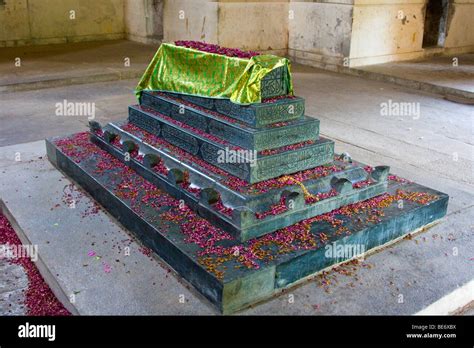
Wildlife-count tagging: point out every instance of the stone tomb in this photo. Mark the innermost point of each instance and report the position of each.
(242, 201)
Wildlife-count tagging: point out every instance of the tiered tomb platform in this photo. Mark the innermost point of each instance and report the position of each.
(179, 147)
(230, 273)
(244, 163)
(237, 132)
(245, 210)
(241, 200)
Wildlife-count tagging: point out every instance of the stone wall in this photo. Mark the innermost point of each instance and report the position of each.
(391, 30)
(190, 20)
(320, 32)
(31, 22)
(335, 33)
(461, 26)
(143, 20)
(324, 33)
(257, 25)
(252, 25)
(386, 30)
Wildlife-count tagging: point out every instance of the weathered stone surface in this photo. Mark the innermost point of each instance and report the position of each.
(12, 302)
(13, 283)
(235, 132)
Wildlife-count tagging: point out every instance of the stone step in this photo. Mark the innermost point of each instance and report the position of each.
(233, 275)
(245, 212)
(238, 133)
(255, 115)
(234, 191)
(245, 164)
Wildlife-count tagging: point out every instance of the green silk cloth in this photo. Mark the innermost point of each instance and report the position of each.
(189, 71)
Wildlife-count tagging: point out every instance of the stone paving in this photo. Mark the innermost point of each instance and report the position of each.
(13, 282)
(449, 76)
(37, 67)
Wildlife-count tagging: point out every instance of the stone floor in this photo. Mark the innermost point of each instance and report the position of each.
(434, 74)
(13, 282)
(66, 64)
(433, 147)
(31, 115)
